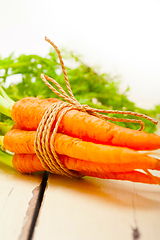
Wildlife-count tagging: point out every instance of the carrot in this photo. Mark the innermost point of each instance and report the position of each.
(35, 109)
(28, 112)
(133, 176)
(29, 163)
(117, 158)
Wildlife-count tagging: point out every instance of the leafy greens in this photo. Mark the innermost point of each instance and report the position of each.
(88, 85)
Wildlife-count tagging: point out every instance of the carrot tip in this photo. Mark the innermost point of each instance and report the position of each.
(154, 178)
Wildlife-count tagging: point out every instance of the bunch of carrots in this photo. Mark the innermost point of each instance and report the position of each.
(84, 143)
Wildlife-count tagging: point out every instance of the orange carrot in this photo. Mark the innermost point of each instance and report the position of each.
(133, 176)
(117, 158)
(28, 112)
(29, 163)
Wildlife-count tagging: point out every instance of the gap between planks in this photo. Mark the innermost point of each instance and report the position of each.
(33, 209)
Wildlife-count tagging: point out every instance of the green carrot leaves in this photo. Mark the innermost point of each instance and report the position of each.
(88, 85)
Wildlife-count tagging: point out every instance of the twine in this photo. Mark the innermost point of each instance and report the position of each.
(44, 150)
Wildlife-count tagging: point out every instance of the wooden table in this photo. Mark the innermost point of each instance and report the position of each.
(87, 209)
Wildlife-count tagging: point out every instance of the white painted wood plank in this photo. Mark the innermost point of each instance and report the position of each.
(18, 193)
(146, 204)
(98, 209)
(85, 209)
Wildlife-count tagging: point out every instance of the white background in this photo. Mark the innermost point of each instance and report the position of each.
(120, 36)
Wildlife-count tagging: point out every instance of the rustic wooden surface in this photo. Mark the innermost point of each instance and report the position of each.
(99, 209)
(88, 208)
(18, 196)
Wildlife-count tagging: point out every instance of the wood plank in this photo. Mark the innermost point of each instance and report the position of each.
(98, 209)
(146, 205)
(84, 209)
(18, 196)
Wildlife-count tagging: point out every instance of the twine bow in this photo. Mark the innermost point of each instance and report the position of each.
(93, 111)
(44, 150)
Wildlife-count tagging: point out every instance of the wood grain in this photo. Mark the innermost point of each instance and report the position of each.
(18, 195)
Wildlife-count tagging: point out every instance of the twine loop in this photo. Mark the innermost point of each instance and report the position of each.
(44, 140)
(44, 150)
